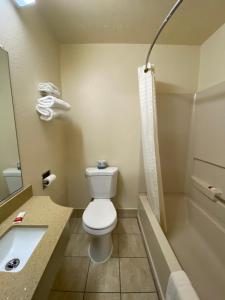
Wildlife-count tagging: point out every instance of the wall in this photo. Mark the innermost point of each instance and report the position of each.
(211, 70)
(100, 81)
(34, 58)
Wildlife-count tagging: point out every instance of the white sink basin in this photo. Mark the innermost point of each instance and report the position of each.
(17, 246)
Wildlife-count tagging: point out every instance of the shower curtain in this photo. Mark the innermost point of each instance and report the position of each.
(150, 145)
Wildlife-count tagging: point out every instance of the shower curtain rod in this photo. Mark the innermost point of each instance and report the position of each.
(171, 12)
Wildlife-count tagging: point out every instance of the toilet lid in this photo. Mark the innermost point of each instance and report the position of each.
(99, 214)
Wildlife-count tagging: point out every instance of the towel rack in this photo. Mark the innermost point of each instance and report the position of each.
(171, 12)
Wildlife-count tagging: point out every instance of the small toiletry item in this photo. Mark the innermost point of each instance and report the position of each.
(102, 164)
(19, 217)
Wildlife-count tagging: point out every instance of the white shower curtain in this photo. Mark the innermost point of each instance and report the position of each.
(150, 146)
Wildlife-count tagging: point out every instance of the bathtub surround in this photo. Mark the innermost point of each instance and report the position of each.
(34, 57)
(100, 126)
(174, 122)
(195, 223)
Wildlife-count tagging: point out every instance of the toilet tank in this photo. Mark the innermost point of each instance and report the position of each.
(102, 182)
(13, 179)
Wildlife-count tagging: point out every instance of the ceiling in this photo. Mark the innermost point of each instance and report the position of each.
(132, 21)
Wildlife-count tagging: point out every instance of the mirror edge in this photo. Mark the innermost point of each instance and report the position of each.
(12, 195)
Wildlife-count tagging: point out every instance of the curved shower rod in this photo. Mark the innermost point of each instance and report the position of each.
(171, 12)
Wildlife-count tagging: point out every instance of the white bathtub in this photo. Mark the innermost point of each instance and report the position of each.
(161, 255)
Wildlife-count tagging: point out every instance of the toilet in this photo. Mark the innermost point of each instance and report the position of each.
(100, 217)
(13, 178)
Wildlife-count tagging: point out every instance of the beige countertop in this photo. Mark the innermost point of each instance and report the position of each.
(41, 211)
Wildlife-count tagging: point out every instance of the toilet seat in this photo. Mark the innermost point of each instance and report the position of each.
(100, 214)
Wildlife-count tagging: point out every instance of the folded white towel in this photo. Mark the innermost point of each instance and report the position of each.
(179, 287)
(53, 102)
(48, 88)
(48, 114)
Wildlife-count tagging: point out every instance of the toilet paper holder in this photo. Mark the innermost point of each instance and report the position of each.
(47, 179)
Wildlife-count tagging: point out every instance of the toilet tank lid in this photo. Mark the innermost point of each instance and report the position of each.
(104, 172)
(12, 172)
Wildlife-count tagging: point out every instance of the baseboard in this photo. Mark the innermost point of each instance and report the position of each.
(121, 212)
(127, 212)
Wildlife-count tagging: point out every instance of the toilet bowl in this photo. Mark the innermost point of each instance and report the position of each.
(100, 216)
(99, 220)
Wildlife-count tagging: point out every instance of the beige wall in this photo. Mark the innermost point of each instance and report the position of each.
(212, 59)
(34, 57)
(100, 81)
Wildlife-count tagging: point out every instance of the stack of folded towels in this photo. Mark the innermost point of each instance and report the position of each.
(49, 106)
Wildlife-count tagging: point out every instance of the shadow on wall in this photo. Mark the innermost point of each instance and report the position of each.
(76, 163)
(166, 88)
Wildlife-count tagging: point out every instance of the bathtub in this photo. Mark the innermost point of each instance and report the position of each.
(160, 254)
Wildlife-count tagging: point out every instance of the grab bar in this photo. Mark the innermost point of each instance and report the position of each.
(220, 199)
(208, 190)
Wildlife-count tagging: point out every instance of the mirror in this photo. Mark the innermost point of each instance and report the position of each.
(10, 171)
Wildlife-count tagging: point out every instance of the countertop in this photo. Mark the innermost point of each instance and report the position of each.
(41, 211)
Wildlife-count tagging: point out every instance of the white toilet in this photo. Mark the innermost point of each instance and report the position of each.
(100, 217)
(13, 178)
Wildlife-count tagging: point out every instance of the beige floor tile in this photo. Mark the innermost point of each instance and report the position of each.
(72, 275)
(78, 245)
(139, 296)
(102, 296)
(135, 275)
(131, 245)
(77, 225)
(128, 225)
(55, 295)
(72, 224)
(115, 238)
(104, 277)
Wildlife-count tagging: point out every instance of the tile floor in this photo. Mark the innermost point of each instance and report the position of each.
(125, 276)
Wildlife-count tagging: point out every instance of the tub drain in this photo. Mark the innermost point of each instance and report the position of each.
(12, 264)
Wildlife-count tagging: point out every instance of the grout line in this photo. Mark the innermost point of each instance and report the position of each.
(153, 292)
(119, 274)
(87, 277)
(82, 292)
(110, 257)
(119, 264)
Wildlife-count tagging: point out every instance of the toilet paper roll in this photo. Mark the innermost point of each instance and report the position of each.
(49, 180)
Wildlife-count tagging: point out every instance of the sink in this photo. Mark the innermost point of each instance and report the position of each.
(17, 246)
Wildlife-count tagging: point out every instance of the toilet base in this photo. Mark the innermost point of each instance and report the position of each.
(100, 248)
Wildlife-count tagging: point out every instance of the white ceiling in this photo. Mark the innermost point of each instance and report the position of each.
(132, 21)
